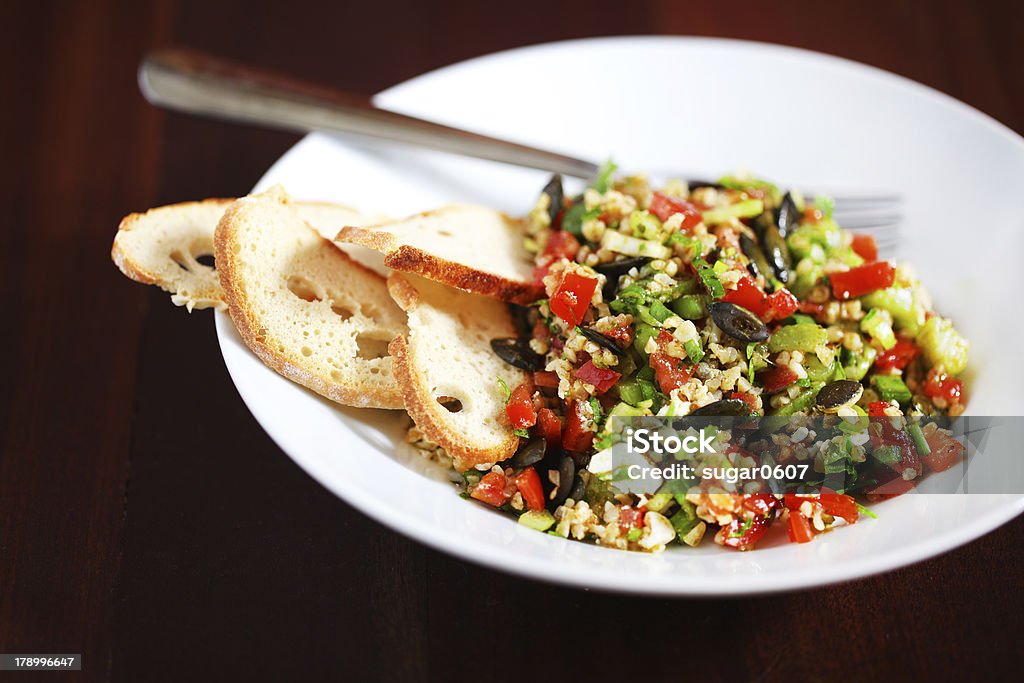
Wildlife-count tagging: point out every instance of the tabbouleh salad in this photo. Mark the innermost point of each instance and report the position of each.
(728, 297)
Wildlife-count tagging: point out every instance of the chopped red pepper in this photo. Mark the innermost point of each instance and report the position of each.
(749, 399)
(898, 357)
(630, 518)
(793, 501)
(862, 280)
(941, 385)
(528, 483)
(550, 427)
(623, 334)
(602, 379)
(839, 505)
(576, 437)
(877, 408)
(519, 409)
(813, 215)
(946, 451)
(491, 489)
(742, 535)
(775, 306)
(748, 295)
(890, 489)
(664, 206)
(777, 378)
(669, 372)
(799, 528)
(544, 378)
(572, 298)
(865, 247)
(783, 303)
(561, 244)
(761, 503)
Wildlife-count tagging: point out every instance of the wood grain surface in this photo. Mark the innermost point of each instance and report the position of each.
(147, 522)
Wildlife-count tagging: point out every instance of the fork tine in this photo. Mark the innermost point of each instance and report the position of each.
(860, 201)
(872, 222)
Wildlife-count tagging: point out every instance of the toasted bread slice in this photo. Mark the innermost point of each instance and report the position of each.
(473, 248)
(163, 246)
(448, 373)
(303, 306)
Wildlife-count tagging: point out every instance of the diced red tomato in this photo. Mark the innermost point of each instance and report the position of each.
(890, 489)
(540, 271)
(623, 334)
(946, 451)
(783, 303)
(862, 279)
(813, 215)
(777, 378)
(749, 399)
(839, 505)
(941, 385)
(761, 503)
(528, 483)
(811, 308)
(550, 427)
(602, 379)
(491, 489)
(544, 378)
(576, 437)
(877, 408)
(669, 372)
(799, 528)
(898, 357)
(865, 247)
(572, 298)
(664, 206)
(630, 518)
(562, 244)
(775, 306)
(519, 409)
(793, 501)
(748, 295)
(743, 535)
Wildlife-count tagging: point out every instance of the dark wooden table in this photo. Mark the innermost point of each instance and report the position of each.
(146, 520)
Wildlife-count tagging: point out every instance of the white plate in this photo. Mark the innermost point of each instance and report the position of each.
(701, 106)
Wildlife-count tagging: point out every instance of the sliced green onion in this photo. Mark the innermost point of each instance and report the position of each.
(878, 323)
(660, 311)
(891, 388)
(541, 520)
(918, 436)
(691, 306)
(800, 337)
(693, 349)
(748, 208)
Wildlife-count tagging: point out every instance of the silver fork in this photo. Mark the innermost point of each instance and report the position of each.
(196, 83)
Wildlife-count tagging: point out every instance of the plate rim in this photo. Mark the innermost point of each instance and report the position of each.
(504, 560)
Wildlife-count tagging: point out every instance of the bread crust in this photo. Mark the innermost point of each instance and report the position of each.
(407, 258)
(206, 290)
(247, 321)
(429, 415)
(432, 418)
(122, 258)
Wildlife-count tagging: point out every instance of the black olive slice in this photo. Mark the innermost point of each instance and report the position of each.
(727, 407)
(737, 322)
(529, 454)
(602, 340)
(787, 216)
(554, 190)
(835, 395)
(516, 351)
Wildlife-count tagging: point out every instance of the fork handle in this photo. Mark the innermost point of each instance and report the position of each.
(196, 83)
